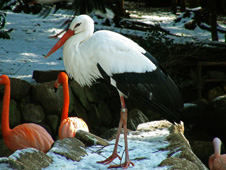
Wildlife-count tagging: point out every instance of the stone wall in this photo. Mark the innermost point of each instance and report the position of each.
(99, 107)
(39, 103)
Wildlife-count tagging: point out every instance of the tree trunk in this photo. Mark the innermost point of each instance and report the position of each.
(121, 4)
(194, 3)
(174, 6)
(182, 5)
(213, 20)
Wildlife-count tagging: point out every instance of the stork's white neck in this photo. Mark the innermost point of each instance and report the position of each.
(82, 68)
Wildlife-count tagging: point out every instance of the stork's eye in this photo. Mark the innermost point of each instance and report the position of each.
(77, 25)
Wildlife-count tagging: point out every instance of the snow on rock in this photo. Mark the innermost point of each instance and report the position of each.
(154, 145)
(70, 148)
(25, 159)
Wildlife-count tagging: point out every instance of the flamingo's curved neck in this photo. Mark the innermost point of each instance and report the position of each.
(66, 100)
(217, 146)
(5, 110)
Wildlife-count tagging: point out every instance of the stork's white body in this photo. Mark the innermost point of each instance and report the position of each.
(114, 52)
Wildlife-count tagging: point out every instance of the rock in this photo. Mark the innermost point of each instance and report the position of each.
(108, 104)
(95, 109)
(202, 149)
(19, 88)
(80, 93)
(52, 102)
(8, 163)
(33, 113)
(181, 155)
(94, 117)
(71, 148)
(53, 123)
(90, 139)
(46, 126)
(25, 100)
(103, 91)
(215, 118)
(152, 126)
(80, 110)
(110, 134)
(179, 164)
(91, 94)
(4, 150)
(179, 150)
(104, 113)
(135, 117)
(194, 4)
(16, 93)
(152, 116)
(14, 113)
(59, 94)
(216, 74)
(215, 92)
(190, 25)
(177, 153)
(45, 76)
(193, 112)
(27, 159)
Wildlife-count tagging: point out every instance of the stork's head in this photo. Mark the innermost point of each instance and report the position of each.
(81, 24)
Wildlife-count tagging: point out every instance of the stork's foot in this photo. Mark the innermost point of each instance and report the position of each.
(124, 165)
(110, 159)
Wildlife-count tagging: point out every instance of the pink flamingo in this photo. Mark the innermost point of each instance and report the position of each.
(216, 160)
(27, 135)
(68, 125)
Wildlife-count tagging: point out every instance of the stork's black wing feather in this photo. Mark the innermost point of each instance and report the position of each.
(154, 90)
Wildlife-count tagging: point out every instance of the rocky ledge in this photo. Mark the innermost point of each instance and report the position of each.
(99, 107)
(154, 145)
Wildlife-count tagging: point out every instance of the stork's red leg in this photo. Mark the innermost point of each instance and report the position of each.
(114, 153)
(123, 121)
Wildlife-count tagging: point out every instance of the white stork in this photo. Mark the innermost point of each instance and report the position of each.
(124, 64)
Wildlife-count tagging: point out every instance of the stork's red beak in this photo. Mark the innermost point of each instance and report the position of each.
(61, 42)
